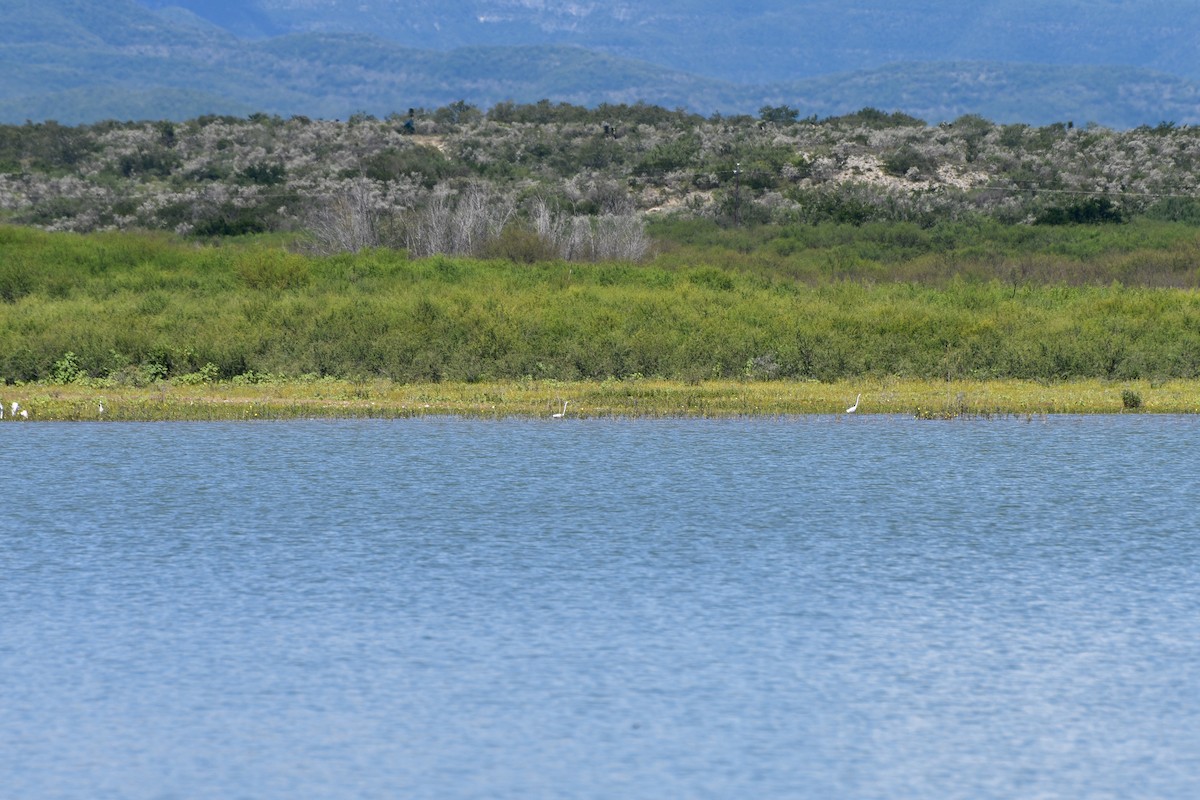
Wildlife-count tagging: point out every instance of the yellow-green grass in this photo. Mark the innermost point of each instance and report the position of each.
(132, 308)
(592, 399)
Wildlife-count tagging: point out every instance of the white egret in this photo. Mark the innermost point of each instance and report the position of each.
(102, 408)
(854, 407)
(24, 414)
(562, 413)
(15, 407)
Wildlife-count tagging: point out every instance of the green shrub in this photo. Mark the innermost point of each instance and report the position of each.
(1176, 209)
(272, 269)
(1092, 211)
(669, 156)
(263, 174)
(15, 281)
(1130, 399)
(67, 369)
(427, 163)
(158, 163)
(899, 162)
(229, 219)
(520, 245)
(209, 373)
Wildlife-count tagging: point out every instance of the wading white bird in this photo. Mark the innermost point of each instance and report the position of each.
(15, 407)
(102, 408)
(24, 414)
(562, 413)
(854, 407)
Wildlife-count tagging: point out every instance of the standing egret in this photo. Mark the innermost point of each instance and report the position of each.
(24, 414)
(562, 413)
(854, 407)
(102, 408)
(15, 407)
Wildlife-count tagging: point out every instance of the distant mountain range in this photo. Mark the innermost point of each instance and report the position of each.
(758, 41)
(1115, 62)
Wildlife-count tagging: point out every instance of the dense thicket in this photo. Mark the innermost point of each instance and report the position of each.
(135, 308)
(453, 179)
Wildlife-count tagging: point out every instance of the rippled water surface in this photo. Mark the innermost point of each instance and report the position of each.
(805, 608)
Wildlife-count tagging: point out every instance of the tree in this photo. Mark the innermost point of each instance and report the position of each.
(347, 222)
(780, 115)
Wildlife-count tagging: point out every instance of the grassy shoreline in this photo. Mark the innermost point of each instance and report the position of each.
(134, 309)
(645, 398)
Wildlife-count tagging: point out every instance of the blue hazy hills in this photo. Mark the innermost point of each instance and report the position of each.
(1120, 63)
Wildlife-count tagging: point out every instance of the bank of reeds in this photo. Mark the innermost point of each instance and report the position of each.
(136, 309)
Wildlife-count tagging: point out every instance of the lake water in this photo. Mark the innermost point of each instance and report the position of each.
(814, 607)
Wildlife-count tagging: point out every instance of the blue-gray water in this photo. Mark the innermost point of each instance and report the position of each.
(817, 607)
